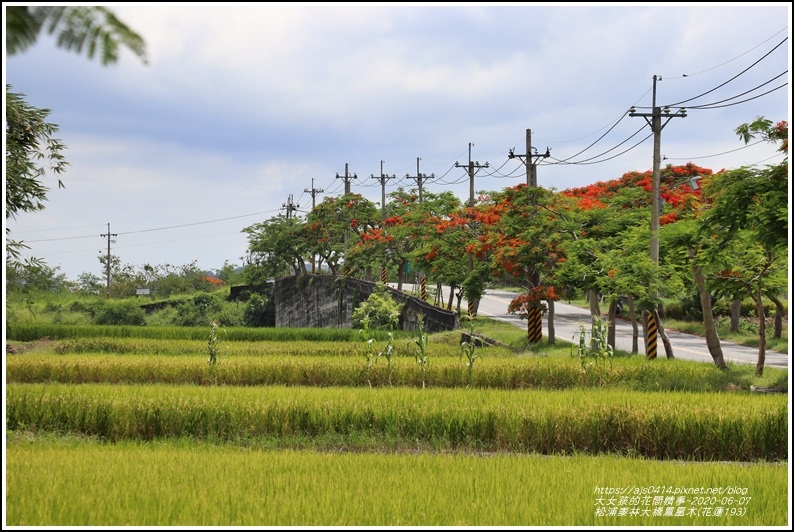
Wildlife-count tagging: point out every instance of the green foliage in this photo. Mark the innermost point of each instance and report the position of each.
(200, 309)
(29, 141)
(594, 355)
(380, 310)
(369, 352)
(119, 313)
(469, 349)
(421, 347)
(213, 344)
(259, 312)
(82, 29)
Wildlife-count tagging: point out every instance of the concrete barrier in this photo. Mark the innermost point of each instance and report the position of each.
(328, 301)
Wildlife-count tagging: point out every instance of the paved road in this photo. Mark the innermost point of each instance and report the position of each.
(568, 317)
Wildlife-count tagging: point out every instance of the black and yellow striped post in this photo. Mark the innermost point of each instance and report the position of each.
(423, 286)
(383, 277)
(534, 324)
(650, 349)
(472, 307)
(346, 270)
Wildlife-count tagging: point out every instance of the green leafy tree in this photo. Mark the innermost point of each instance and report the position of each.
(31, 150)
(751, 205)
(278, 244)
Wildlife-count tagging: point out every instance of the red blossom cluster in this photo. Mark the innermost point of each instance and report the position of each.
(214, 281)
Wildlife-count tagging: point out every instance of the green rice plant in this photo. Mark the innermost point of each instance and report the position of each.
(157, 484)
(664, 425)
(33, 331)
(155, 361)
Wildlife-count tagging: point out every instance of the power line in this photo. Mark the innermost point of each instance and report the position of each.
(728, 61)
(713, 155)
(705, 106)
(676, 104)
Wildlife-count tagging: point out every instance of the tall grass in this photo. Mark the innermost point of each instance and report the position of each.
(668, 425)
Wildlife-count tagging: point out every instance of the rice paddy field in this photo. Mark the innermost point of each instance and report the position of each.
(135, 427)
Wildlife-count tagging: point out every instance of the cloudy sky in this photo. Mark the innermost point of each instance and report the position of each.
(243, 107)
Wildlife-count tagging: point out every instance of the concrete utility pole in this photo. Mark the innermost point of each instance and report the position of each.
(291, 207)
(473, 167)
(419, 178)
(530, 159)
(383, 178)
(107, 265)
(347, 177)
(314, 192)
(656, 127)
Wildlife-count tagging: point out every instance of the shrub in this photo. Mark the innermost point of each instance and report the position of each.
(380, 309)
(124, 312)
(259, 312)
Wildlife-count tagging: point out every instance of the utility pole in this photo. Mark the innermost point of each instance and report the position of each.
(107, 264)
(313, 192)
(656, 125)
(419, 178)
(383, 178)
(472, 166)
(347, 177)
(530, 159)
(534, 319)
(291, 207)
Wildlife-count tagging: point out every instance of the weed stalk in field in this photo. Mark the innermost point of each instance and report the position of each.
(369, 353)
(469, 348)
(388, 351)
(213, 346)
(592, 357)
(421, 347)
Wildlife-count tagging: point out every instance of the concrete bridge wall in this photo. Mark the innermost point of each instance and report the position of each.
(328, 301)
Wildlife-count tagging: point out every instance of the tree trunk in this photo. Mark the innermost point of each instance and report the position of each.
(779, 311)
(759, 311)
(668, 347)
(712, 338)
(551, 321)
(613, 311)
(400, 273)
(736, 314)
(634, 331)
(595, 314)
(451, 296)
(645, 331)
